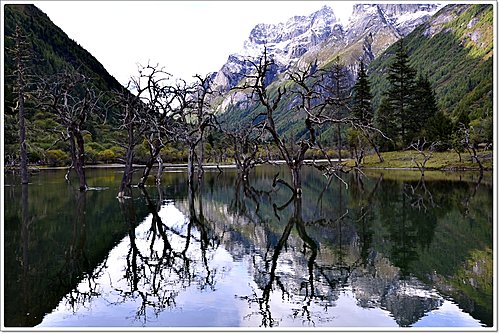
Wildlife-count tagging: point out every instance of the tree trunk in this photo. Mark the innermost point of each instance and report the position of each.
(296, 180)
(127, 173)
(380, 158)
(201, 156)
(145, 172)
(160, 169)
(191, 164)
(154, 154)
(339, 142)
(22, 127)
(22, 137)
(80, 160)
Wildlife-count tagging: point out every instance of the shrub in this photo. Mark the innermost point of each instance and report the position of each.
(56, 158)
(107, 155)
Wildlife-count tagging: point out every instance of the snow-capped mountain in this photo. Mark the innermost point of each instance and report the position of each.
(370, 30)
(286, 42)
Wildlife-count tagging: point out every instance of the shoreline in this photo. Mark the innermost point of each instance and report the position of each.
(173, 166)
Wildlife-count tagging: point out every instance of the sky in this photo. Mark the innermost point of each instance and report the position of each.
(185, 37)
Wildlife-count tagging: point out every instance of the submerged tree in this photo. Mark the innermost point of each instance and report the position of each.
(130, 116)
(73, 99)
(245, 141)
(22, 55)
(307, 87)
(193, 115)
(157, 97)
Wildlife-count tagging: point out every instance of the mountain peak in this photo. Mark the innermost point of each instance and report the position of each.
(288, 42)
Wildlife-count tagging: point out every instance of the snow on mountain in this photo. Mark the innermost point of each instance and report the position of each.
(286, 42)
(370, 29)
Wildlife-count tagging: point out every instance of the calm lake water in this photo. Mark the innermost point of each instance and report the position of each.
(387, 249)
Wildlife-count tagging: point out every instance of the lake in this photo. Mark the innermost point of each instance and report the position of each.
(384, 249)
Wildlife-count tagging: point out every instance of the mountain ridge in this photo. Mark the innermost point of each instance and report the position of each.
(302, 38)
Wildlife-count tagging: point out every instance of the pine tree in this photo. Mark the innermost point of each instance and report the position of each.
(362, 97)
(387, 122)
(339, 92)
(424, 105)
(439, 128)
(401, 94)
(362, 107)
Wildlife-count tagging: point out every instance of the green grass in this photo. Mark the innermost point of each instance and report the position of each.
(448, 160)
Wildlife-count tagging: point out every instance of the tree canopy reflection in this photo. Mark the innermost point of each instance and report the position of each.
(375, 240)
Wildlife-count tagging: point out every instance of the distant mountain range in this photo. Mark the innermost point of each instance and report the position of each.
(452, 45)
(370, 30)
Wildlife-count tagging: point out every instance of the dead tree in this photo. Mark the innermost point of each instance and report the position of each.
(131, 113)
(72, 98)
(22, 55)
(420, 146)
(245, 142)
(315, 108)
(258, 87)
(467, 135)
(192, 116)
(157, 97)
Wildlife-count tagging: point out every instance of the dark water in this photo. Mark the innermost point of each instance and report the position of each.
(387, 249)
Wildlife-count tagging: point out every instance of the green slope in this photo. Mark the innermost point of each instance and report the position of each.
(52, 51)
(455, 48)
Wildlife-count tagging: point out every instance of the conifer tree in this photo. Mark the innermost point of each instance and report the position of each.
(387, 121)
(339, 91)
(362, 106)
(424, 105)
(400, 95)
(439, 128)
(362, 97)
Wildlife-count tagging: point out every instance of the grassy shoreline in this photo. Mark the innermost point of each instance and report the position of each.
(444, 161)
(397, 160)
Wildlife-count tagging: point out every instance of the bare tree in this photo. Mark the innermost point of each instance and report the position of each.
(467, 140)
(245, 142)
(314, 107)
(73, 99)
(157, 97)
(130, 120)
(193, 115)
(22, 55)
(425, 152)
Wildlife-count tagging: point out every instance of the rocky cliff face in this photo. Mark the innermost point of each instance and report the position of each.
(285, 42)
(370, 30)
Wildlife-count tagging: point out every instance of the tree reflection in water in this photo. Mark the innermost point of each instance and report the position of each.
(299, 254)
(322, 282)
(157, 275)
(76, 267)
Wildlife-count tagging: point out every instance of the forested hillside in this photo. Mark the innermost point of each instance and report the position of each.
(51, 51)
(455, 51)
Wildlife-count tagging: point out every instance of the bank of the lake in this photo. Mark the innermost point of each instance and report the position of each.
(396, 160)
(448, 160)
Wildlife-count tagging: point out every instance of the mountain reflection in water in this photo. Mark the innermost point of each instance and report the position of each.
(385, 251)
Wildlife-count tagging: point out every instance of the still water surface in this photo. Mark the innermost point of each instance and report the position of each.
(386, 249)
